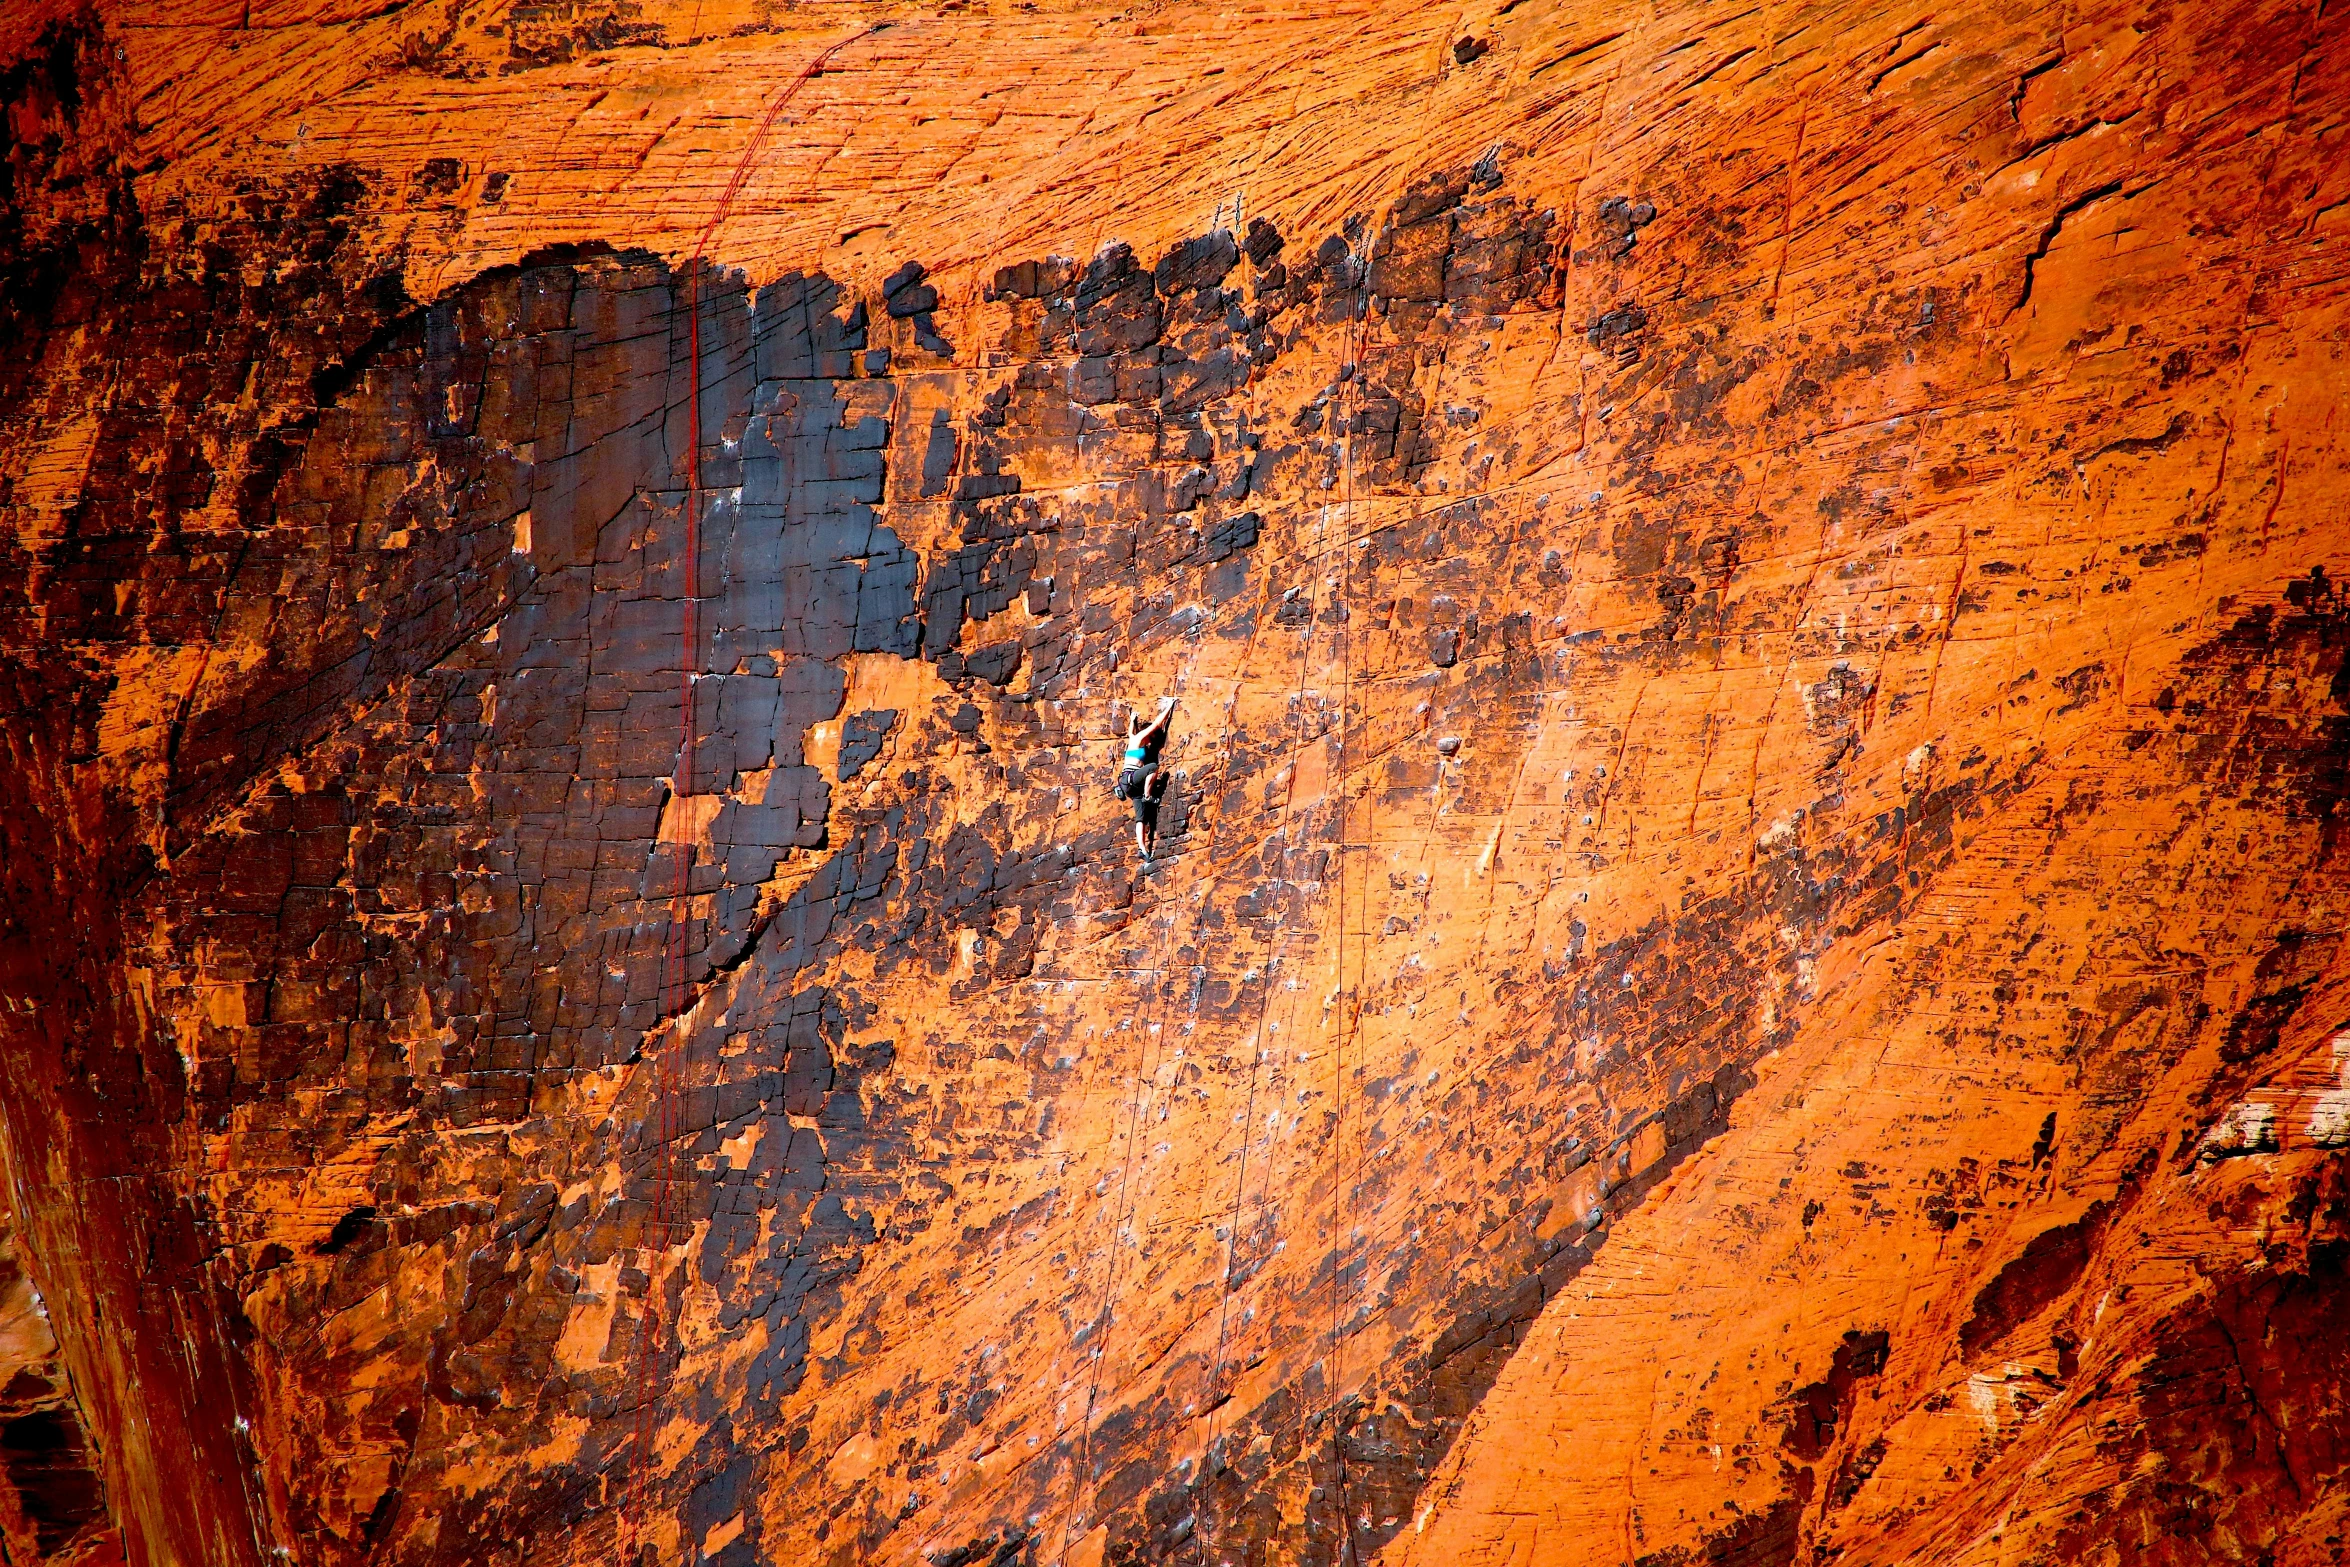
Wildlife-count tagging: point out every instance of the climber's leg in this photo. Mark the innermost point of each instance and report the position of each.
(1146, 814)
(1147, 790)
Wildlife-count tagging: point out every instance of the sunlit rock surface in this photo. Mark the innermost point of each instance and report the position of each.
(1746, 959)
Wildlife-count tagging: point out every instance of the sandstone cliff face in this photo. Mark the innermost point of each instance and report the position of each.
(1745, 964)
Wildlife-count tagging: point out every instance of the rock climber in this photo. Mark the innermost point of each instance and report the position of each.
(1140, 779)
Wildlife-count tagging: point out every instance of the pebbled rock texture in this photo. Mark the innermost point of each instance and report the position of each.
(1745, 958)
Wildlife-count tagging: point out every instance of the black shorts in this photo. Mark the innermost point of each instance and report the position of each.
(1136, 784)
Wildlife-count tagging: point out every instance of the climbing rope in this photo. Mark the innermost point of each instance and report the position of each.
(1344, 1229)
(676, 985)
(1144, 1083)
(1350, 399)
(1140, 1091)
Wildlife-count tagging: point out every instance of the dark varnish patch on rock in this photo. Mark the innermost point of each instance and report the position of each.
(2236, 1421)
(472, 563)
(1820, 1408)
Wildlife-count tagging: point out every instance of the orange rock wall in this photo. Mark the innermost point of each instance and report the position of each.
(1744, 964)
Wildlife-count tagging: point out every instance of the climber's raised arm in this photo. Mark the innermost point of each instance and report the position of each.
(1155, 727)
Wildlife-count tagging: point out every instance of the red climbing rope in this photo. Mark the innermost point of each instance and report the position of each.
(676, 982)
(1343, 1230)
